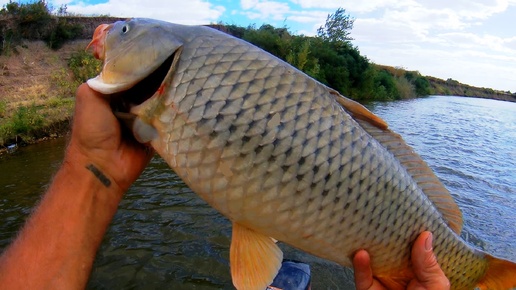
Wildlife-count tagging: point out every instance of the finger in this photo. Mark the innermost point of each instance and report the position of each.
(363, 273)
(426, 268)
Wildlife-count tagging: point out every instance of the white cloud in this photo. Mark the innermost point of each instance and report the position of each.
(265, 9)
(491, 43)
(184, 12)
(352, 5)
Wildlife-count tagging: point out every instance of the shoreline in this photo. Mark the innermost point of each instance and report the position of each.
(61, 129)
(53, 131)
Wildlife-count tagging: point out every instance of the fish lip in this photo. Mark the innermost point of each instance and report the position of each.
(143, 90)
(97, 44)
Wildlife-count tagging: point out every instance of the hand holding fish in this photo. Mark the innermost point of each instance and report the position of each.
(428, 274)
(97, 138)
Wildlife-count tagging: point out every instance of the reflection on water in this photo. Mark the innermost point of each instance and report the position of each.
(23, 177)
(163, 236)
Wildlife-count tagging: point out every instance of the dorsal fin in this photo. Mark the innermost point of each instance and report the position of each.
(415, 166)
(358, 111)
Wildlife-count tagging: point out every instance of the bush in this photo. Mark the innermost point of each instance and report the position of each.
(22, 122)
(405, 88)
(25, 119)
(84, 66)
(33, 21)
(62, 33)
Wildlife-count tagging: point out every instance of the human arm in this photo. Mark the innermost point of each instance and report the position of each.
(57, 245)
(429, 275)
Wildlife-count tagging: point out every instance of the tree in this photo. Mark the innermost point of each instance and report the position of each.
(337, 27)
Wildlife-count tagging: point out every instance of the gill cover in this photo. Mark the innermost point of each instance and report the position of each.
(131, 50)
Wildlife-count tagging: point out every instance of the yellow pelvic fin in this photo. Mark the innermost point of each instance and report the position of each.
(500, 275)
(420, 172)
(255, 259)
(358, 111)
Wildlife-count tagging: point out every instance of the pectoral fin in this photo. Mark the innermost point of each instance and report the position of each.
(144, 132)
(255, 259)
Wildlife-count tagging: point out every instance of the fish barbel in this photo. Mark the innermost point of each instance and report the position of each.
(283, 156)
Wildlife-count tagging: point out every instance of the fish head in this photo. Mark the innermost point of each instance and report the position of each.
(131, 51)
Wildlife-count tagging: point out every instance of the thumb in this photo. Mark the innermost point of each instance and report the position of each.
(427, 270)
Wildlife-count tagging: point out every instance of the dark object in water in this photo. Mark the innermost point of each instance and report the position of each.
(292, 275)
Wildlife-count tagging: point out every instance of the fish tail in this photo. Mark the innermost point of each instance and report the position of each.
(501, 274)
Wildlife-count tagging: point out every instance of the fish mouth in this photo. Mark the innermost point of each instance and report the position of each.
(143, 90)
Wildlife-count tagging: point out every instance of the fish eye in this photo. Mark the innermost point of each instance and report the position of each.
(125, 29)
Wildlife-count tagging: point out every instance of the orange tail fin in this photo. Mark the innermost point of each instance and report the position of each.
(501, 274)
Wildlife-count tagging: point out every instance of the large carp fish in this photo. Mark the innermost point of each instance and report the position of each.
(283, 156)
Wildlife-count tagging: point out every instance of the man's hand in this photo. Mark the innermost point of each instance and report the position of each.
(429, 275)
(97, 139)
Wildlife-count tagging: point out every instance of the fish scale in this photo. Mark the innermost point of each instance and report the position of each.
(286, 157)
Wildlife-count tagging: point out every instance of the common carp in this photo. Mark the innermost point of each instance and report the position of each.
(283, 156)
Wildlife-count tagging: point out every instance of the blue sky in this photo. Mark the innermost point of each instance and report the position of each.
(472, 41)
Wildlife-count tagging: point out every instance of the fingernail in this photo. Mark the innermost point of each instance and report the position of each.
(428, 242)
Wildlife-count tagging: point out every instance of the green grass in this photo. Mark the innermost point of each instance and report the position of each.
(3, 108)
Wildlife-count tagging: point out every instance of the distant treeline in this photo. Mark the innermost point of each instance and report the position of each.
(329, 57)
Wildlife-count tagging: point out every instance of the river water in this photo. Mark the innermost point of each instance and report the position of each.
(164, 237)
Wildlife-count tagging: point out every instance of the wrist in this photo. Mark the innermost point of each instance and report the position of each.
(89, 170)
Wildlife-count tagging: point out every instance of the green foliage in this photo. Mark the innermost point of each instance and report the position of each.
(300, 56)
(3, 108)
(236, 31)
(65, 84)
(25, 119)
(269, 38)
(421, 84)
(57, 102)
(84, 66)
(337, 27)
(405, 88)
(63, 32)
(22, 121)
(386, 86)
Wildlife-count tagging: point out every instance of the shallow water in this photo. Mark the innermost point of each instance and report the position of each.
(164, 237)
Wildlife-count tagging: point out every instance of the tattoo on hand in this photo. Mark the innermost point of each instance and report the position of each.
(103, 179)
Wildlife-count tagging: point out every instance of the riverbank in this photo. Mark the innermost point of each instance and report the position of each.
(38, 83)
(38, 88)
(53, 131)
(38, 91)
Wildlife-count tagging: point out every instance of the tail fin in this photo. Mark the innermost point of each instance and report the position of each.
(500, 274)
